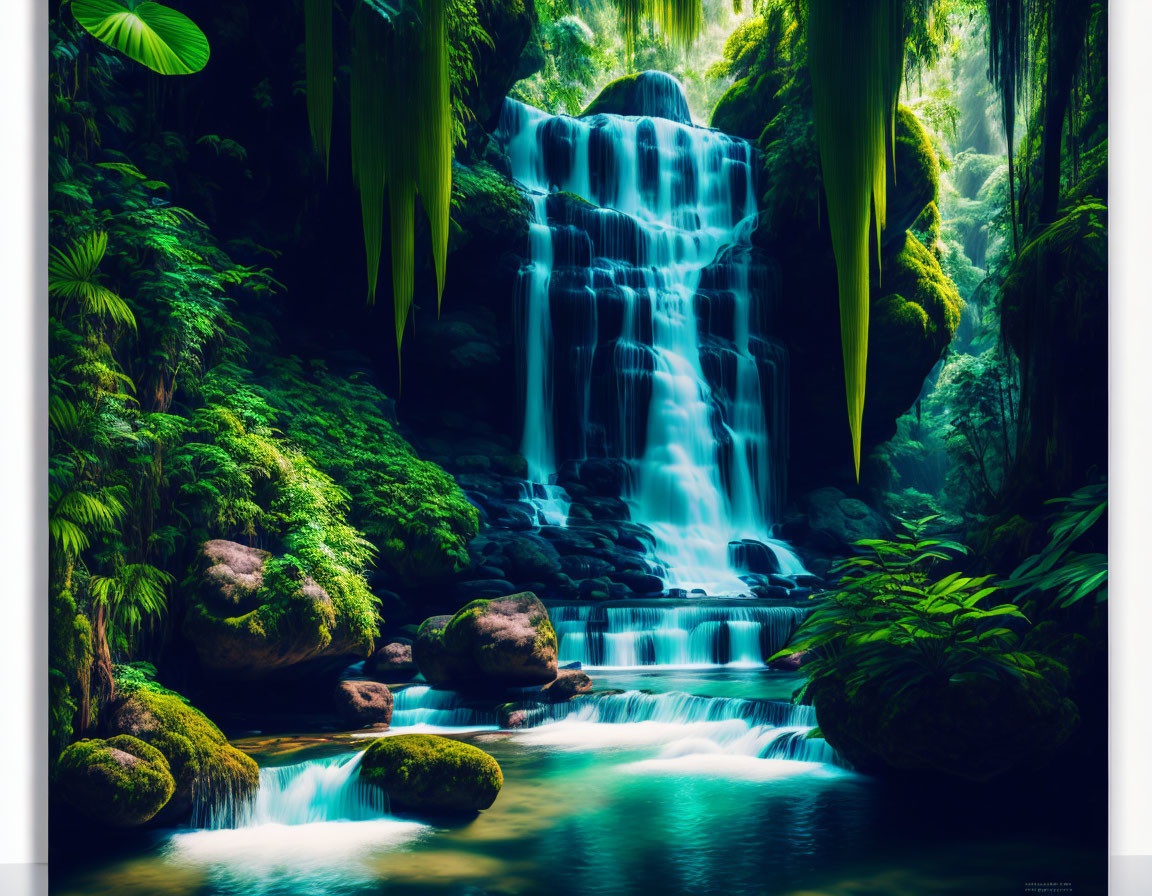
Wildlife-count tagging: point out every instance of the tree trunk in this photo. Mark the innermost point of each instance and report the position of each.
(1069, 21)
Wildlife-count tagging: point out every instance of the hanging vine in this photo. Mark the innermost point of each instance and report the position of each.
(856, 60)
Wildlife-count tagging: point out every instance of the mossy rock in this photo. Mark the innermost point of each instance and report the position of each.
(744, 108)
(653, 94)
(915, 310)
(252, 615)
(428, 773)
(436, 662)
(508, 640)
(913, 179)
(975, 729)
(488, 214)
(122, 781)
(206, 768)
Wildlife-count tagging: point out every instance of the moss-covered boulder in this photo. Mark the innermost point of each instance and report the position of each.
(121, 781)
(427, 773)
(489, 214)
(913, 179)
(509, 641)
(653, 94)
(915, 310)
(206, 768)
(361, 703)
(974, 729)
(251, 615)
(436, 662)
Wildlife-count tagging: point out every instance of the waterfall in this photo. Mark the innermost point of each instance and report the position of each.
(426, 707)
(699, 634)
(305, 793)
(683, 725)
(641, 329)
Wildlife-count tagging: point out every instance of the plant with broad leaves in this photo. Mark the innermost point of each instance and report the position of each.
(1068, 575)
(156, 36)
(892, 624)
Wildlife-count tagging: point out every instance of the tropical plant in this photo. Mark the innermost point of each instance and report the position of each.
(73, 276)
(156, 36)
(402, 128)
(891, 623)
(1059, 572)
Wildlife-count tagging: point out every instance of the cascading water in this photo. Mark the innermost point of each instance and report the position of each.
(714, 633)
(305, 793)
(641, 337)
(420, 706)
(683, 725)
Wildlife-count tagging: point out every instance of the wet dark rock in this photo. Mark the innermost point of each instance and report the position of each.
(568, 683)
(643, 583)
(652, 93)
(835, 521)
(393, 658)
(361, 703)
(478, 588)
(753, 556)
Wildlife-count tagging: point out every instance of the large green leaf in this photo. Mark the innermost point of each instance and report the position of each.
(163, 39)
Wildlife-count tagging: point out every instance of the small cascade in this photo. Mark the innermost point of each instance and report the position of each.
(427, 707)
(683, 725)
(707, 633)
(320, 790)
(642, 316)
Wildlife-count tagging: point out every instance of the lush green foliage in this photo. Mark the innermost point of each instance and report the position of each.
(172, 421)
(1061, 574)
(893, 622)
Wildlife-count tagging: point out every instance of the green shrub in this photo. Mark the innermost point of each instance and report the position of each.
(891, 623)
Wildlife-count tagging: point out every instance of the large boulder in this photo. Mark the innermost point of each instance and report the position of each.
(974, 729)
(245, 623)
(509, 641)
(122, 781)
(510, 56)
(363, 703)
(653, 94)
(437, 663)
(433, 774)
(207, 769)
